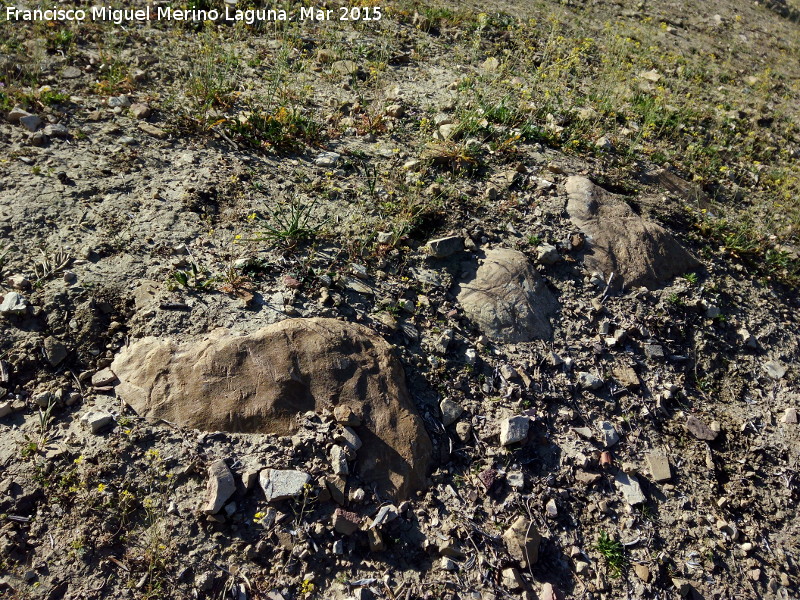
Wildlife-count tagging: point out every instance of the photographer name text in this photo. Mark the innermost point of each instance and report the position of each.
(121, 16)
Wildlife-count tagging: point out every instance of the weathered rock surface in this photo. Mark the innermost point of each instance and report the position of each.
(282, 484)
(221, 486)
(522, 541)
(508, 299)
(259, 382)
(638, 252)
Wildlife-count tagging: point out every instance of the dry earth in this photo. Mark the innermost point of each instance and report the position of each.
(566, 334)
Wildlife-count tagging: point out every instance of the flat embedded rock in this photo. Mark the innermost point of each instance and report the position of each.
(282, 484)
(258, 383)
(638, 251)
(700, 430)
(630, 488)
(507, 298)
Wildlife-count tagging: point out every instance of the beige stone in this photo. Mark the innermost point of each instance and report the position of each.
(260, 382)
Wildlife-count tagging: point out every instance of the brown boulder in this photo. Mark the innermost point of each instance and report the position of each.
(638, 252)
(508, 299)
(260, 382)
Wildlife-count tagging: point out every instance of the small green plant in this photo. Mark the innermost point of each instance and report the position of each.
(291, 224)
(614, 553)
(192, 278)
(534, 240)
(691, 278)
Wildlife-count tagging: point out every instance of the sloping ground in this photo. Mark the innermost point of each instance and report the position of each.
(184, 178)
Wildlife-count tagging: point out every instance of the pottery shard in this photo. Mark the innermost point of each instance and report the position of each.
(508, 299)
(258, 383)
(637, 251)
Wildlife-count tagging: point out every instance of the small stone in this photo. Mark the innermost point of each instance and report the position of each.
(140, 111)
(19, 282)
(610, 435)
(551, 508)
(549, 592)
(339, 460)
(588, 381)
(16, 113)
(282, 484)
(547, 254)
(30, 122)
(97, 420)
(522, 541)
(488, 478)
(347, 437)
(375, 540)
(448, 564)
(121, 101)
(683, 586)
(512, 580)
(700, 430)
(446, 246)
(790, 416)
(56, 131)
(6, 408)
(13, 304)
(513, 430)
(338, 547)
(345, 416)
(658, 464)
(654, 351)
(327, 159)
(463, 431)
(337, 487)
(642, 572)
(451, 548)
(54, 350)
(104, 378)
(630, 488)
(775, 369)
(395, 111)
(71, 72)
(220, 487)
(346, 522)
(156, 132)
(450, 411)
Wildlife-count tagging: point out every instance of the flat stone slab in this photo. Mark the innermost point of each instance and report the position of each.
(630, 488)
(658, 463)
(507, 298)
(280, 485)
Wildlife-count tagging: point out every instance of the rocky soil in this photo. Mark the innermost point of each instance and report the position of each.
(284, 315)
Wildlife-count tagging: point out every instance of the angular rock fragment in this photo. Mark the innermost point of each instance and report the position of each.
(450, 411)
(610, 435)
(513, 430)
(221, 486)
(282, 484)
(630, 488)
(638, 252)
(522, 541)
(700, 430)
(658, 464)
(346, 522)
(507, 298)
(446, 246)
(259, 382)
